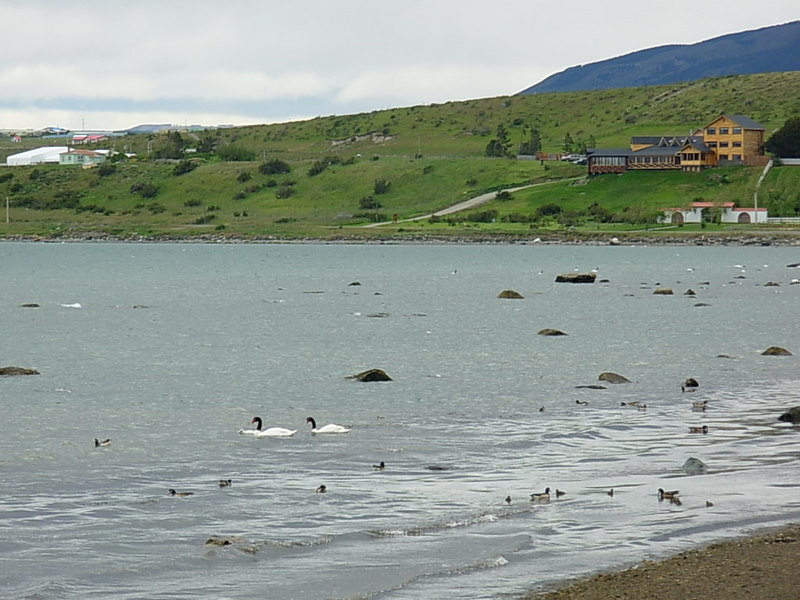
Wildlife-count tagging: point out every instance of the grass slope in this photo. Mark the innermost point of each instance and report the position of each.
(431, 157)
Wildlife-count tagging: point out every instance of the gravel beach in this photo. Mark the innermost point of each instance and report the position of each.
(762, 567)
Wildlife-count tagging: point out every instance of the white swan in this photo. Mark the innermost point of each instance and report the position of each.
(329, 428)
(270, 432)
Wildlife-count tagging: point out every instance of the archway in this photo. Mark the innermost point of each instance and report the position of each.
(677, 218)
(744, 217)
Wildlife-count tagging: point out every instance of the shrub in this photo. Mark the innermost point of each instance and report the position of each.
(183, 167)
(368, 203)
(284, 191)
(381, 186)
(234, 153)
(106, 169)
(243, 176)
(274, 167)
(193, 202)
(145, 190)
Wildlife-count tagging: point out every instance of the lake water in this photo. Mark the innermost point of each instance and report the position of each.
(175, 347)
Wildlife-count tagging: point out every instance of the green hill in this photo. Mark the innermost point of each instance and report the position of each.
(347, 171)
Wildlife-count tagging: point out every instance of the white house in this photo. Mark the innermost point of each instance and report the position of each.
(81, 157)
(43, 154)
(728, 213)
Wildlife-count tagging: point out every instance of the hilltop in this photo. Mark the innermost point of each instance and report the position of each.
(329, 176)
(769, 49)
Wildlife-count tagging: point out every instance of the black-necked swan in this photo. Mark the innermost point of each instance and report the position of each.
(270, 432)
(321, 489)
(329, 428)
(181, 494)
(106, 442)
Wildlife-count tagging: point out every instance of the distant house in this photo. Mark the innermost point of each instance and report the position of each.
(88, 138)
(728, 213)
(727, 140)
(81, 157)
(36, 156)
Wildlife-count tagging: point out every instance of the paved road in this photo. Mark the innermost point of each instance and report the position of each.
(471, 203)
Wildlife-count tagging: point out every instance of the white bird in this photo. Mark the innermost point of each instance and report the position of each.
(329, 428)
(270, 432)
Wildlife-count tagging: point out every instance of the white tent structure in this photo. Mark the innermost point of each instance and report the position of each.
(44, 154)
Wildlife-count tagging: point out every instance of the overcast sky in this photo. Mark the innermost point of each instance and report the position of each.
(114, 64)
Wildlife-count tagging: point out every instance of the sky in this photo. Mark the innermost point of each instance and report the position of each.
(114, 64)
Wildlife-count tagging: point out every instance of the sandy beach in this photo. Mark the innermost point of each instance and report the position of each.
(762, 567)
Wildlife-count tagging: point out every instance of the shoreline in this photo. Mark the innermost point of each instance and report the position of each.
(567, 239)
(762, 566)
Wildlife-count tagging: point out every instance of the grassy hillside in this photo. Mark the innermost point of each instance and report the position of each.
(406, 161)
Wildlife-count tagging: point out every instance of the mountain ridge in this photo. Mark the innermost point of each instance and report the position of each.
(774, 48)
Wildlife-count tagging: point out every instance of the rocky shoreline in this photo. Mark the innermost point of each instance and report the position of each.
(773, 238)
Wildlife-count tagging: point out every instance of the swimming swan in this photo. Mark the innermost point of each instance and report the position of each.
(270, 432)
(329, 428)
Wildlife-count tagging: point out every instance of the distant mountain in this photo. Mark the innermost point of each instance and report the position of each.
(765, 50)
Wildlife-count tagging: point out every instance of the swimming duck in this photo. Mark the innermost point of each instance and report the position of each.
(380, 466)
(329, 428)
(542, 497)
(667, 495)
(701, 405)
(634, 403)
(703, 429)
(560, 493)
(181, 494)
(508, 499)
(321, 489)
(271, 432)
(224, 483)
(610, 492)
(106, 442)
(582, 402)
(709, 504)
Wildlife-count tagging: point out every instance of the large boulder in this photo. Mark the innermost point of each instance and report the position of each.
(613, 378)
(791, 416)
(576, 278)
(548, 331)
(371, 375)
(17, 371)
(776, 351)
(694, 466)
(663, 291)
(511, 294)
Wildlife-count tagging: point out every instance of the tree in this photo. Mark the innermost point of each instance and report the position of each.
(569, 143)
(533, 144)
(786, 141)
(499, 146)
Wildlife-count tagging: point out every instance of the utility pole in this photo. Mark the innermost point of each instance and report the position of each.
(7, 217)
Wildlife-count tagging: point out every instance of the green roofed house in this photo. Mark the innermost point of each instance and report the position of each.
(727, 140)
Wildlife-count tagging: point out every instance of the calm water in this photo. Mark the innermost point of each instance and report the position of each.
(175, 347)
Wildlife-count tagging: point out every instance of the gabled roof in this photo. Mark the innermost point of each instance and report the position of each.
(745, 122)
(696, 144)
(657, 151)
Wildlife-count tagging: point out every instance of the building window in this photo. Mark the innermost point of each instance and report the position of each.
(723, 131)
(723, 144)
(737, 144)
(737, 130)
(723, 157)
(711, 130)
(712, 144)
(737, 157)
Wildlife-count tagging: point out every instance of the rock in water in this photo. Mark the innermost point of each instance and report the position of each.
(576, 278)
(548, 331)
(613, 378)
(791, 416)
(694, 466)
(776, 351)
(17, 371)
(371, 375)
(511, 294)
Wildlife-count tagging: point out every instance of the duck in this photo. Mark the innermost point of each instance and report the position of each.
(582, 402)
(634, 403)
(224, 483)
(610, 492)
(321, 489)
(181, 494)
(105, 442)
(667, 495)
(508, 500)
(700, 405)
(709, 504)
(542, 497)
(270, 432)
(560, 493)
(703, 429)
(380, 466)
(329, 428)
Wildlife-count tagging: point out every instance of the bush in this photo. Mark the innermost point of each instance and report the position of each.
(145, 190)
(284, 191)
(548, 210)
(368, 203)
(381, 186)
(485, 216)
(274, 167)
(183, 167)
(243, 176)
(106, 169)
(193, 202)
(233, 153)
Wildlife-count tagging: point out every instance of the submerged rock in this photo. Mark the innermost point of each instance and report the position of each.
(776, 351)
(791, 416)
(548, 331)
(17, 371)
(694, 466)
(510, 294)
(663, 291)
(371, 375)
(613, 378)
(576, 278)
